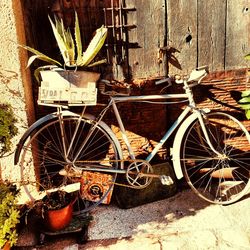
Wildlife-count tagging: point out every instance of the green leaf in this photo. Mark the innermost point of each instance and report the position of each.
(78, 39)
(97, 63)
(245, 106)
(244, 100)
(69, 42)
(248, 114)
(247, 57)
(42, 58)
(57, 31)
(245, 93)
(94, 46)
(38, 55)
(65, 41)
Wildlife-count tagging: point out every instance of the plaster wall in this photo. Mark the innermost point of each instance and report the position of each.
(11, 84)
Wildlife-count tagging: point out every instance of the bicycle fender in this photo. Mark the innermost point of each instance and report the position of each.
(52, 116)
(177, 143)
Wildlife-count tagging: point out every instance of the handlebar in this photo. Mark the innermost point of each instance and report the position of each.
(196, 76)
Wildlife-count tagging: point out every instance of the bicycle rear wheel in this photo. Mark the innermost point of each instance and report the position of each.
(63, 153)
(218, 179)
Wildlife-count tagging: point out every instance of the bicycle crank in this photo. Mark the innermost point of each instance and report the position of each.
(139, 174)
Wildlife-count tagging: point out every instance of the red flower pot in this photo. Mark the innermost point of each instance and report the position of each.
(59, 219)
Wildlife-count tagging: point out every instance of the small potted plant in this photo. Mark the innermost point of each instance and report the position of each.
(56, 210)
(245, 95)
(9, 215)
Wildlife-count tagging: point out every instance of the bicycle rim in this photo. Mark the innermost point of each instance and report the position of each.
(44, 155)
(220, 179)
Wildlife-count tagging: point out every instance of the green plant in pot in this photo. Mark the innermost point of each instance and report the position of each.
(9, 214)
(71, 46)
(245, 95)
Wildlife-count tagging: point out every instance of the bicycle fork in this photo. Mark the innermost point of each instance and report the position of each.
(200, 117)
(205, 132)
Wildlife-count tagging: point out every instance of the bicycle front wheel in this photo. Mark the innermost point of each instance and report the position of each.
(220, 179)
(65, 152)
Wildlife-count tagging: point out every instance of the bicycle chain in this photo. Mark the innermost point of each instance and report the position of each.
(136, 173)
(152, 175)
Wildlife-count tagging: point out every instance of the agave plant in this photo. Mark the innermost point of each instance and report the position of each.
(71, 48)
(245, 97)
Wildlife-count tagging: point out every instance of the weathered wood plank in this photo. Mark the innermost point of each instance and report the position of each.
(211, 33)
(237, 33)
(182, 35)
(149, 34)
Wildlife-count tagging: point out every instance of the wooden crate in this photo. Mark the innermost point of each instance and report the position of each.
(68, 87)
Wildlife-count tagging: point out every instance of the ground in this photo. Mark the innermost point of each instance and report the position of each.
(183, 221)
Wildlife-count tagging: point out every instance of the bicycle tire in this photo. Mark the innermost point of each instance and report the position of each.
(43, 154)
(219, 180)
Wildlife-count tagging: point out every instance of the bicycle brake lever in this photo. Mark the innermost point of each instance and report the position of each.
(205, 67)
(168, 80)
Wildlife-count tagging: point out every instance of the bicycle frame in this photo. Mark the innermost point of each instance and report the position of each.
(191, 108)
(115, 100)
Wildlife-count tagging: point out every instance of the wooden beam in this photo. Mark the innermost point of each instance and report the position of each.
(211, 33)
(149, 18)
(237, 33)
(182, 35)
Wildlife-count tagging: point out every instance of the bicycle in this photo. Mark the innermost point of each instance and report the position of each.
(210, 149)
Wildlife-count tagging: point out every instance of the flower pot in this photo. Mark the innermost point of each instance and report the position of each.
(59, 219)
(6, 246)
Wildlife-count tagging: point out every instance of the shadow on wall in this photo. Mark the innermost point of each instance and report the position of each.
(6, 76)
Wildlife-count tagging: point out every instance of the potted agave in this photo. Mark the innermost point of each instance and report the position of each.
(71, 49)
(72, 54)
(245, 95)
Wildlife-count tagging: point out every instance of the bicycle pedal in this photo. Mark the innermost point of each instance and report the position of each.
(166, 180)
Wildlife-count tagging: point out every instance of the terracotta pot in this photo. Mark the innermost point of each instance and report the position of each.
(6, 246)
(59, 219)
